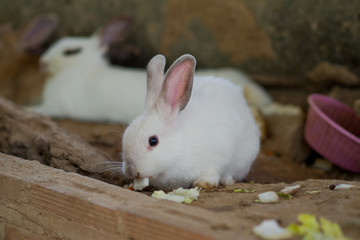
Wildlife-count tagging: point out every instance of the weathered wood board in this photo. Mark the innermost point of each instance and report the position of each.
(40, 202)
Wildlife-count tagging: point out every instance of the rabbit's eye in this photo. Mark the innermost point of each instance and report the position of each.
(72, 51)
(153, 141)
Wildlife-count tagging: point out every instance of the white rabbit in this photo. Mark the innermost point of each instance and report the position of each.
(194, 131)
(84, 86)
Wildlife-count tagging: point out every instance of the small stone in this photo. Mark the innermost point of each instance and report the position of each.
(326, 72)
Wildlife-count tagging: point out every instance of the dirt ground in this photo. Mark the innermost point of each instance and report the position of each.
(268, 168)
(269, 173)
(341, 206)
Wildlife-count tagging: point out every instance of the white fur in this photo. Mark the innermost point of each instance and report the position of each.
(213, 140)
(84, 86)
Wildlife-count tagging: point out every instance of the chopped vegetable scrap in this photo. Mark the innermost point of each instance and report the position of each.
(291, 189)
(313, 192)
(288, 191)
(310, 228)
(162, 195)
(180, 195)
(345, 186)
(268, 197)
(240, 190)
(140, 183)
(284, 195)
(270, 229)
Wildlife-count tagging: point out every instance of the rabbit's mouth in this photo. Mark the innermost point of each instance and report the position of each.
(131, 173)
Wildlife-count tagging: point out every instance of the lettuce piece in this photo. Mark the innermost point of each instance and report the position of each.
(192, 193)
(311, 229)
(140, 183)
(270, 229)
(268, 197)
(240, 190)
(332, 230)
(180, 195)
(162, 195)
(284, 195)
(345, 186)
(188, 200)
(291, 189)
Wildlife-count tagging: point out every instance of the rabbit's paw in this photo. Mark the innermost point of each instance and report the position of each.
(206, 184)
(227, 180)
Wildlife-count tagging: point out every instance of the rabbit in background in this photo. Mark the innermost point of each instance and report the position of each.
(20, 50)
(195, 131)
(83, 85)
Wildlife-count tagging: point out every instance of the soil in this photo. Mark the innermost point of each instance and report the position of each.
(269, 173)
(341, 206)
(268, 167)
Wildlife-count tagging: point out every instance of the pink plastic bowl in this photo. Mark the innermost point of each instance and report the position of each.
(333, 130)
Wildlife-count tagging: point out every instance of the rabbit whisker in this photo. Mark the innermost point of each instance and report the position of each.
(116, 132)
(107, 163)
(110, 169)
(115, 174)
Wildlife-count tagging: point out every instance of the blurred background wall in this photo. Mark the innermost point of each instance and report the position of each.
(278, 42)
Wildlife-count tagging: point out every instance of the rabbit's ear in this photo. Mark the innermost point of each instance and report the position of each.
(177, 86)
(155, 78)
(116, 31)
(112, 33)
(38, 33)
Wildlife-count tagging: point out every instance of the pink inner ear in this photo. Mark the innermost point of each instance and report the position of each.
(176, 87)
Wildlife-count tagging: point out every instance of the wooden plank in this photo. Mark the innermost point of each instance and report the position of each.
(15, 233)
(74, 208)
(52, 203)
